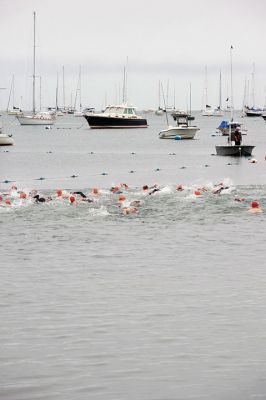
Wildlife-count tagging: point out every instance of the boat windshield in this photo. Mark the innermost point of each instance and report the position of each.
(120, 110)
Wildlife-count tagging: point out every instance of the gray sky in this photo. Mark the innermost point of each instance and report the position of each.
(171, 41)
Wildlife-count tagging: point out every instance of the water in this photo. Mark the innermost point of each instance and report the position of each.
(168, 303)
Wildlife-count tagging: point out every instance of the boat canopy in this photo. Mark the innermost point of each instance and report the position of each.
(223, 125)
(120, 110)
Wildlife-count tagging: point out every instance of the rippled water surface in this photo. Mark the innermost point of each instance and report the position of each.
(167, 303)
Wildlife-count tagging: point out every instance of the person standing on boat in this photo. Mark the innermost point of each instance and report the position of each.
(237, 136)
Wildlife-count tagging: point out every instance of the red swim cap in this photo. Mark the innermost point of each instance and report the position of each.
(59, 192)
(72, 199)
(254, 204)
(122, 197)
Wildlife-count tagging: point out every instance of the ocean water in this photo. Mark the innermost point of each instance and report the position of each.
(167, 303)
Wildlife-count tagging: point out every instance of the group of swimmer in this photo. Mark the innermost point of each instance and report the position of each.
(11, 197)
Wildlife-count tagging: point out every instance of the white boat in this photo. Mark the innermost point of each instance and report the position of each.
(14, 110)
(182, 130)
(40, 118)
(5, 139)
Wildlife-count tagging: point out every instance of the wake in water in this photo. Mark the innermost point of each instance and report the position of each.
(123, 199)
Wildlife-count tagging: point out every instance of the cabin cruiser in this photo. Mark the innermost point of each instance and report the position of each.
(116, 116)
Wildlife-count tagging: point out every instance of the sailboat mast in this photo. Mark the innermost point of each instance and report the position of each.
(206, 87)
(40, 93)
(34, 66)
(231, 82)
(56, 93)
(64, 99)
(11, 91)
(253, 86)
(124, 86)
(220, 91)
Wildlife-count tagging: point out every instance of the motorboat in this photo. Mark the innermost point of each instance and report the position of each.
(116, 116)
(5, 139)
(234, 146)
(234, 150)
(182, 130)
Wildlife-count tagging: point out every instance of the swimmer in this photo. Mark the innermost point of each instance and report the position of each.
(145, 188)
(135, 203)
(39, 199)
(219, 189)
(83, 197)
(95, 192)
(197, 193)
(129, 210)
(179, 188)
(116, 190)
(72, 200)
(237, 198)
(121, 198)
(255, 208)
(124, 185)
(155, 189)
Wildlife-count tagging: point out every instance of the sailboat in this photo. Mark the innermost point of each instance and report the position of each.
(40, 118)
(14, 110)
(209, 111)
(78, 113)
(232, 149)
(159, 110)
(253, 111)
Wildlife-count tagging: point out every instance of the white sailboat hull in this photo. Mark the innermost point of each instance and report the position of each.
(212, 113)
(175, 132)
(33, 120)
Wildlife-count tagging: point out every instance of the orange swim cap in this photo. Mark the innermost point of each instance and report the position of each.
(22, 195)
(95, 191)
(122, 198)
(197, 193)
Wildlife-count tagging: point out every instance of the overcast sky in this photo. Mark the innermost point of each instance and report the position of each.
(172, 41)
